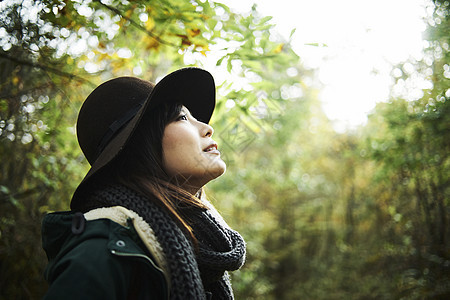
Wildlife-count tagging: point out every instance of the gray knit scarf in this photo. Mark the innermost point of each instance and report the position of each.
(195, 274)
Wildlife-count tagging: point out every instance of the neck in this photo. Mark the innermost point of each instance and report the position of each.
(188, 186)
(195, 191)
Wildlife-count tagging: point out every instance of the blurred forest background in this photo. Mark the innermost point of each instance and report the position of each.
(357, 215)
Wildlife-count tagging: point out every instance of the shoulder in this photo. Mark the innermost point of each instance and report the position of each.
(103, 259)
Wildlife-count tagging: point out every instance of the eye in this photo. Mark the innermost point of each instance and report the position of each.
(182, 118)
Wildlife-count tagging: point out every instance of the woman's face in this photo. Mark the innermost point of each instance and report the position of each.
(190, 155)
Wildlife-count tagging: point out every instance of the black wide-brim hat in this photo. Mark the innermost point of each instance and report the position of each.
(112, 112)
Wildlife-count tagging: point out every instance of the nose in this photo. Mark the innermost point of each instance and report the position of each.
(206, 130)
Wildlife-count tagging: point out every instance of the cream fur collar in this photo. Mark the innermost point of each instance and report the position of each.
(121, 215)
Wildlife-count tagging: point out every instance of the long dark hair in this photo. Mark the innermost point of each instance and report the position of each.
(140, 166)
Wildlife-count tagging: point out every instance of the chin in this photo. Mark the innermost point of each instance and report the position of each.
(221, 167)
(216, 171)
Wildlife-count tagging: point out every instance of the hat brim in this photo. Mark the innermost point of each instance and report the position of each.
(192, 87)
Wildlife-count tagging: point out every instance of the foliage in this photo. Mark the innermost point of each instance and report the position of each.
(359, 215)
(413, 159)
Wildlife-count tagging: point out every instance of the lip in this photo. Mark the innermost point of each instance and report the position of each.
(212, 149)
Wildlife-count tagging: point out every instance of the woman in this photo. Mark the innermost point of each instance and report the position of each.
(140, 226)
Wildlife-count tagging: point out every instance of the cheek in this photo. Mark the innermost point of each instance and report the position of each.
(170, 157)
(179, 146)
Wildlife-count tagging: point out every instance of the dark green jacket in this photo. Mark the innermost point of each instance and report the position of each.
(98, 259)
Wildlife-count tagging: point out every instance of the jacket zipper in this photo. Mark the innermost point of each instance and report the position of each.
(149, 260)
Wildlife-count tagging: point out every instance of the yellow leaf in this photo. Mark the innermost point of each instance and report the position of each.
(184, 40)
(193, 32)
(151, 43)
(150, 24)
(129, 12)
(279, 48)
(204, 48)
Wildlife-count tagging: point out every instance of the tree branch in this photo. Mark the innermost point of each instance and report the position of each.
(46, 68)
(26, 91)
(137, 25)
